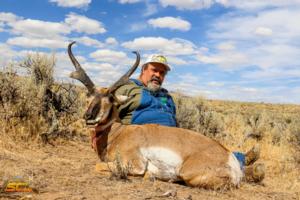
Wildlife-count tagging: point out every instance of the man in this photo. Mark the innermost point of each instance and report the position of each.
(151, 104)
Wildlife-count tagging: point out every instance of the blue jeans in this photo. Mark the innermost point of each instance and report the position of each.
(241, 158)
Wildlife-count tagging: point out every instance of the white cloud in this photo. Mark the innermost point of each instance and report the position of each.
(8, 17)
(150, 9)
(227, 60)
(215, 84)
(28, 42)
(265, 94)
(171, 23)
(240, 4)
(94, 66)
(248, 90)
(89, 42)
(83, 24)
(235, 91)
(186, 83)
(105, 74)
(274, 56)
(238, 92)
(189, 78)
(128, 1)
(106, 55)
(226, 57)
(226, 46)
(137, 27)
(102, 74)
(173, 60)
(264, 42)
(277, 48)
(281, 23)
(111, 41)
(1, 26)
(174, 46)
(72, 3)
(176, 61)
(263, 31)
(37, 28)
(190, 4)
(7, 54)
(182, 87)
(272, 74)
(259, 5)
(64, 66)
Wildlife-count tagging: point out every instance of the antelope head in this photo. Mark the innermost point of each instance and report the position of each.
(101, 109)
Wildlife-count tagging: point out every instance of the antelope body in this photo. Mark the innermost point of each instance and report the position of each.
(166, 153)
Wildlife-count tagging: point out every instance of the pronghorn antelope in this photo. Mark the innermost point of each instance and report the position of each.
(166, 153)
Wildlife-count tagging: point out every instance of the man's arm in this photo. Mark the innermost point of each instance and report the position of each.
(133, 91)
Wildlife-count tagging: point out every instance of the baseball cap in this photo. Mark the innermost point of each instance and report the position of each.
(155, 58)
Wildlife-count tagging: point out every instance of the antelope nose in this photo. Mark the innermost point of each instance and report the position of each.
(92, 112)
(89, 119)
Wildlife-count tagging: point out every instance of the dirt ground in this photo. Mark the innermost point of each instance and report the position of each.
(65, 170)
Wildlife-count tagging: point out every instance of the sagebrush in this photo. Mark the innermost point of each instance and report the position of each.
(33, 105)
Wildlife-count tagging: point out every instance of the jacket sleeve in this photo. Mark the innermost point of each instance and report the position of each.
(134, 93)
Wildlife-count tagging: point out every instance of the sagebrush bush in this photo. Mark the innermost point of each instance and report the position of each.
(35, 97)
(8, 89)
(258, 122)
(195, 114)
(294, 128)
(40, 68)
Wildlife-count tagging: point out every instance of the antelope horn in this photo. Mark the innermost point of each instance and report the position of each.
(126, 76)
(80, 74)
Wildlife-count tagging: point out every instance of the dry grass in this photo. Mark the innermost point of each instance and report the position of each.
(119, 170)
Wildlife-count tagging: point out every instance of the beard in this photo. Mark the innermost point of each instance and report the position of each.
(154, 86)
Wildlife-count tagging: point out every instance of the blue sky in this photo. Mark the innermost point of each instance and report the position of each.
(220, 49)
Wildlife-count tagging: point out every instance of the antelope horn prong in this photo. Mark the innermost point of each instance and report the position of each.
(80, 74)
(126, 76)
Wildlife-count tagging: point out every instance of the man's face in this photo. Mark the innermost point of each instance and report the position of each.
(153, 76)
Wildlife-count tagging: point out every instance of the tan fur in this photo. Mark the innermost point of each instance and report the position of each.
(205, 161)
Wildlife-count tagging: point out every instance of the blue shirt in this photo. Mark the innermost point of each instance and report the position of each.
(155, 107)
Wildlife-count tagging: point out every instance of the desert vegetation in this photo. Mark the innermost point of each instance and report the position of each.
(34, 106)
(35, 109)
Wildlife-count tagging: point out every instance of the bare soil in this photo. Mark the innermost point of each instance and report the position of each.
(66, 170)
